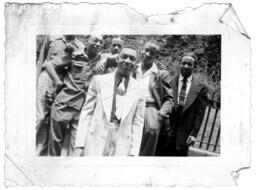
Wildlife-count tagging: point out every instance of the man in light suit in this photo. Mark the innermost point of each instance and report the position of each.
(190, 99)
(155, 84)
(111, 121)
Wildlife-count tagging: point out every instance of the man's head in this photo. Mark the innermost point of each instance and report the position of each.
(116, 45)
(149, 52)
(94, 44)
(126, 61)
(187, 64)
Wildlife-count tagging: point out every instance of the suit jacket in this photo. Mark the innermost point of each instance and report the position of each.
(94, 121)
(159, 85)
(162, 92)
(189, 121)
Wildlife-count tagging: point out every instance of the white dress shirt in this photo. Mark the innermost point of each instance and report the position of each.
(143, 79)
(120, 100)
(189, 80)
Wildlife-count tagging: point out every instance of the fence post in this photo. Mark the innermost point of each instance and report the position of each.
(217, 139)
(205, 125)
(206, 121)
(210, 137)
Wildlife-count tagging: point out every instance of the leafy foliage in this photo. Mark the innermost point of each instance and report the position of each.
(206, 47)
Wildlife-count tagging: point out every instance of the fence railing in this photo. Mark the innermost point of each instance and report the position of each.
(208, 138)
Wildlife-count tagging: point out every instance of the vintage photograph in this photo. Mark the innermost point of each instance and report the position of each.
(128, 95)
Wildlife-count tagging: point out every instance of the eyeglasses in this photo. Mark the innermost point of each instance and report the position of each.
(126, 56)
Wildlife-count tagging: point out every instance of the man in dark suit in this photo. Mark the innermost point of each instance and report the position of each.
(190, 99)
(155, 84)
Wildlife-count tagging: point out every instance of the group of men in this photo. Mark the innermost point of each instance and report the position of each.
(113, 104)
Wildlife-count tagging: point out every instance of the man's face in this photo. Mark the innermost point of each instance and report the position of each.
(187, 66)
(115, 48)
(149, 53)
(94, 44)
(126, 61)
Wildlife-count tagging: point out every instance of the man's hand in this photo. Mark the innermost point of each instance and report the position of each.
(161, 117)
(78, 151)
(101, 64)
(191, 140)
(58, 85)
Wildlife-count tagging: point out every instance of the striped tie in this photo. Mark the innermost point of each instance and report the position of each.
(182, 96)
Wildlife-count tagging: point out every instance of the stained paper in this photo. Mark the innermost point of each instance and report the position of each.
(23, 168)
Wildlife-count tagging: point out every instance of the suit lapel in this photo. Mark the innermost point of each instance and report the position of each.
(130, 97)
(192, 94)
(175, 90)
(107, 90)
(154, 87)
(152, 81)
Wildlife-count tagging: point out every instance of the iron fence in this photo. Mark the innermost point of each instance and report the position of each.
(208, 138)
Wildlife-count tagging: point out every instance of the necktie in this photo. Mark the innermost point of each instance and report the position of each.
(182, 96)
(120, 90)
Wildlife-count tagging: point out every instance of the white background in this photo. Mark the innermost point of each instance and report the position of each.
(247, 14)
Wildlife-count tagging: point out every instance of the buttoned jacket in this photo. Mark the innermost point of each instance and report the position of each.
(94, 120)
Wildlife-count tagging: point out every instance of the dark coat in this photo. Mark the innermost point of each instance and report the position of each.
(189, 120)
(162, 91)
(160, 88)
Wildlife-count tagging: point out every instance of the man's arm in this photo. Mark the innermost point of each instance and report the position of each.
(56, 48)
(168, 101)
(106, 62)
(137, 127)
(56, 63)
(101, 64)
(201, 111)
(85, 118)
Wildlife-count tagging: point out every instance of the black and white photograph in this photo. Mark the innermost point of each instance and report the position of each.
(113, 95)
(128, 95)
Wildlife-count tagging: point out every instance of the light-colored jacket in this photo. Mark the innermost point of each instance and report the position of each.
(94, 120)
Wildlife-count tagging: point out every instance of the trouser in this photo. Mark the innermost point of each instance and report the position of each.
(177, 149)
(44, 99)
(165, 145)
(63, 120)
(172, 149)
(152, 126)
(110, 145)
(182, 152)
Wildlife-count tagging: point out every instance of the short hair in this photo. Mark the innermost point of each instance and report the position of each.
(92, 37)
(117, 40)
(190, 54)
(128, 46)
(154, 44)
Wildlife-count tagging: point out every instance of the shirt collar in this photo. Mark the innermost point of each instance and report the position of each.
(118, 79)
(153, 69)
(189, 79)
